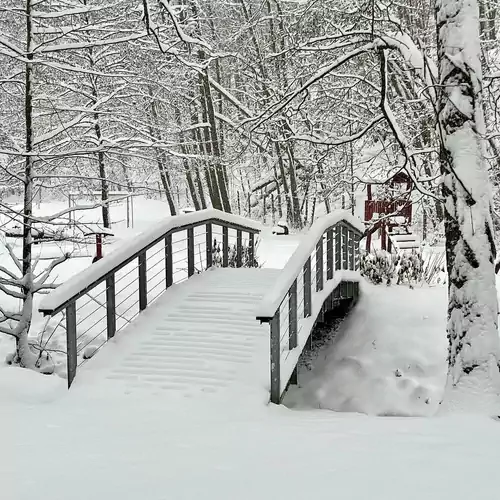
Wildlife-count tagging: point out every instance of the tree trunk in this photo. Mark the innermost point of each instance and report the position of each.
(207, 145)
(155, 131)
(24, 356)
(474, 346)
(215, 144)
(185, 161)
(106, 220)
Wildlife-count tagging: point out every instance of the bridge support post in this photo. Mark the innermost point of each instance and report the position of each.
(208, 244)
(71, 342)
(225, 246)
(190, 251)
(329, 254)
(351, 249)
(143, 282)
(319, 265)
(239, 248)
(251, 249)
(275, 359)
(168, 261)
(345, 250)
(338, 247)
(111, 306)
(356, 252)
(307, 289)
(292, 316)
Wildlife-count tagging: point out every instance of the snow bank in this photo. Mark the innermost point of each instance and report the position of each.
(20, 385)
(389, 356)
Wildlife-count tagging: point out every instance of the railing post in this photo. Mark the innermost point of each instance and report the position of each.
(307, 289)
(292, 316)
(251, 249)
(143, 283)
(338, 246)
(356, 252)
(319, 265)
(275, 359)
(225, 246)
(239, 248)
(345, 253)
(71, 342)
(111, 306)
(208, 243)
(190, 250)
(329, 254)
(351, 250)
(168, 261)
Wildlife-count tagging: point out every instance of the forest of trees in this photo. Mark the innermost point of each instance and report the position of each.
(266, 108)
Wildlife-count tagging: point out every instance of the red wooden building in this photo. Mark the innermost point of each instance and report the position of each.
(387, 207)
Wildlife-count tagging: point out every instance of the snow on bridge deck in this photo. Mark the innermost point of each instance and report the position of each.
(200, 337)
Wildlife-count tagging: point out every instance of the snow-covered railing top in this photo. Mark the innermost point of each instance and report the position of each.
(82, 282)
(271, 302)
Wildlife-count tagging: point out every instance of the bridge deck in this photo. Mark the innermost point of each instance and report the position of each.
(200, 337)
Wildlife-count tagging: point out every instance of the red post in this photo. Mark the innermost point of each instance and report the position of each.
(98, 248)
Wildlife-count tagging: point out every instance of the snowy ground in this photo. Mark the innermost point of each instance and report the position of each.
(388, 359)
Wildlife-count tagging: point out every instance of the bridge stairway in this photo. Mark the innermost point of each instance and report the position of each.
(199, 338)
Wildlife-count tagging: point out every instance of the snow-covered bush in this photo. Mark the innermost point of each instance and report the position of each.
(382, 267)
(246, 260)
(377, 267)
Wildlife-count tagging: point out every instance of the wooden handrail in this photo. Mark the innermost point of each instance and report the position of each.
(81, 283)
(331, 245)
(275, 296)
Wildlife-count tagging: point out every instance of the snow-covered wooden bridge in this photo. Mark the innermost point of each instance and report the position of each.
(186, 309)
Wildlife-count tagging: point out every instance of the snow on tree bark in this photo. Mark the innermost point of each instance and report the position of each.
(24, 356)
(474, 346)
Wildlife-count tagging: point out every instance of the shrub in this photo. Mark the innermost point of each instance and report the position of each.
(382, 267)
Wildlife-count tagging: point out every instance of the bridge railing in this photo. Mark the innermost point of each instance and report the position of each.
(324, 266)
(94, 305)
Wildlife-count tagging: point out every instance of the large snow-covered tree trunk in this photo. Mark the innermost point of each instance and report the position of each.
(474, 346)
